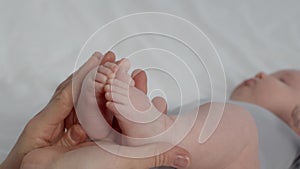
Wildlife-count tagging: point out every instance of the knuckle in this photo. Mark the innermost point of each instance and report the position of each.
(63, 85)
(156, 161)
(160, 160)
(60, 87)
(63, 97)
(65, 142)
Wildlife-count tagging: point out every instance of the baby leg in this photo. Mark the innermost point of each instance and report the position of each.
(233, 145)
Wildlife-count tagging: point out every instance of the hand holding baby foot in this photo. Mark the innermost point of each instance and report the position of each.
(97, 122)
(68, 149)
(132, 107)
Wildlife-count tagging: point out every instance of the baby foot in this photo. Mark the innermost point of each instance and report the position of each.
(97, 123)
(136, 114)
(140, 79)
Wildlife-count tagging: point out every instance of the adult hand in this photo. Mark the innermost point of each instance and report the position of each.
(45, 137)
(48, 126)
(91, 156)
(88, 155)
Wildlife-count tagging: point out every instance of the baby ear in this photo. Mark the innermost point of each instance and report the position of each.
(296, 117)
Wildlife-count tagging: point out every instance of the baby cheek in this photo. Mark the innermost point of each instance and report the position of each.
(265, 97)
(268, 90)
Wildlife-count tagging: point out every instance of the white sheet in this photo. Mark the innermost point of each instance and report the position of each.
(40, 40)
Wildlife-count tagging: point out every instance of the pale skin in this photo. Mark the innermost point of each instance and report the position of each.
(124, 99)
(41, 149)
(53, 139)
(278, 92)
(92, 95)
(233, 145)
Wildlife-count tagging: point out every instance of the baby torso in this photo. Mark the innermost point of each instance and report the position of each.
(278, 144)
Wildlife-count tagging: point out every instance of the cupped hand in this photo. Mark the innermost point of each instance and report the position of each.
(49, 126)
(91, 156)
(54, 133)
(67, 154)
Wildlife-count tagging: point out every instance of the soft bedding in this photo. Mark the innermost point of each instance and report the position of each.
(40, 42)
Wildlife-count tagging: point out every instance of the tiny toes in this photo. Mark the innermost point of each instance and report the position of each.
(116, 89)
(99, 87)
(106, 71)
(112, 66)
(116, 97)
(112, 107)
(108, 96)
(107, 88)
(124, 65)
(101, 78)
(117, 82)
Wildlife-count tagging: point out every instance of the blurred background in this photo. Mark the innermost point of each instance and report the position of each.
(41, 39)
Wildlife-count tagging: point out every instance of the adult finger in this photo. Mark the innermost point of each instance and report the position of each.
(176, 157)
(61, 104)
(160, 104)
(73, 137)
(140, 78)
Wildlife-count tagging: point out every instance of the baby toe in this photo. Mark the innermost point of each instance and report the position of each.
(118, 83)
(104, 70)
(124, 65)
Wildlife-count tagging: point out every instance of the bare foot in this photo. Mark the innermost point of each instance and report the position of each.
(93, 119)
(140, 79)
(137, 115)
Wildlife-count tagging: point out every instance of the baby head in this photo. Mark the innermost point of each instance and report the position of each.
(278, 92)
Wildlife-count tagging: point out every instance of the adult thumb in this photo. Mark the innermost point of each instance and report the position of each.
(176, 157)
(74, 136)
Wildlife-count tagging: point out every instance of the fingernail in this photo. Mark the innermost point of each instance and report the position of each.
(98, 55)
(75, 136)
(108, 52)
(182, 161)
